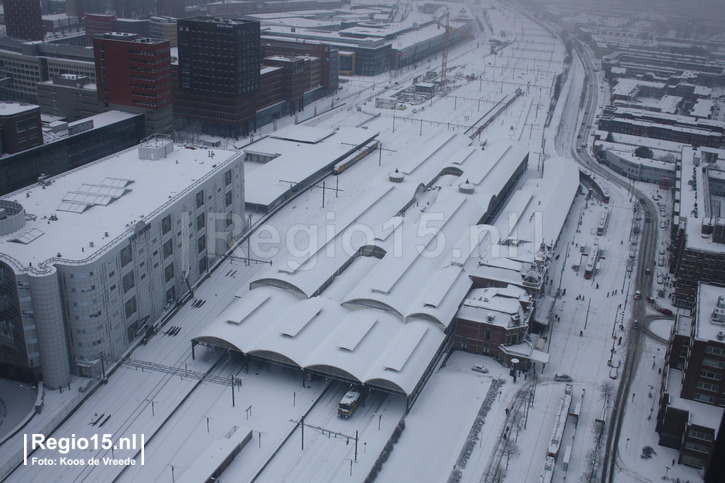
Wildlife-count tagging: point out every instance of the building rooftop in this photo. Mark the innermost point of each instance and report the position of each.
(8, 108)
(694, 200)
(710, 317)
(298, 152)
(701, 414)
(495, 306)
(79, 214)
(371, 300)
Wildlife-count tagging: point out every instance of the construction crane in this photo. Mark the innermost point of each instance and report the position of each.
(446, 42)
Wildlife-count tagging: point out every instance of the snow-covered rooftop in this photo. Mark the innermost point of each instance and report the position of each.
(299, 152)
(701, 414)
(694, 202)
(371, 299)
(8, 108)
(500, 306)
(112, 195)
(710, 321)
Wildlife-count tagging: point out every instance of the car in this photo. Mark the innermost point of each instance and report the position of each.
(480, 368)
(563, 378)
(647, 271)
(665, 311)
(637, 295)
(635, 325)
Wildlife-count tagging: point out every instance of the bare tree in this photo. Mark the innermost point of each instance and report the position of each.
(511, 450)
(606, 391)
(591, 465)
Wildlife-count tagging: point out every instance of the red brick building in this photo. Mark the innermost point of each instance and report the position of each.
(492, 318)
(133, 74)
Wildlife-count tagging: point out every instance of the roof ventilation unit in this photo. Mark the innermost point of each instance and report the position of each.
(396, 176)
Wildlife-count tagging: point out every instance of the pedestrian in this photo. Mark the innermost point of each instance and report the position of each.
(633, 394)
(659, 371)
(581, 333)
(597, 284)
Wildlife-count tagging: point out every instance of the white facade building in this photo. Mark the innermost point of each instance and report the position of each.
(91, 259)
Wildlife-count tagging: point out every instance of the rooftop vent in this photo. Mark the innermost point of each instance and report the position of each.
(718, 315)
(396, 176)
(466, 188)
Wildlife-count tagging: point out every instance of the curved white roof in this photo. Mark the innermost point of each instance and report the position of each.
(371, 302)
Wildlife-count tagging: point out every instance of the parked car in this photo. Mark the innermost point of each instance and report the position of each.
(563, 378)
(665, 311)
(479, 368)
(635, 325)
(637, 295)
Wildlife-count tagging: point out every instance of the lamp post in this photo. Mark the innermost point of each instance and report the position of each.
(514, 363)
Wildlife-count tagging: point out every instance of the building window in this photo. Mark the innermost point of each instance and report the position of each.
(228, 178)
(200, 199)
(128, 282)
(126, 256)
(710, 375)
(168, 249)
(201, 243)
(697, 447)
(704, 398)
(202, 265)
(228, 198)
(131, 307)
(169, 272)
(201, 221)
(166, 225)
(699, 435)
(171, 294)
(707, 386)
(719, 351)
(713, 363)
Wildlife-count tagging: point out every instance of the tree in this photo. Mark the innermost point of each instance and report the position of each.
(606, 390)
(643, 152)
(511, 450)
(610, 138)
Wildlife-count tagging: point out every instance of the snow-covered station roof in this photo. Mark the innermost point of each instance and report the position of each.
(372, 302)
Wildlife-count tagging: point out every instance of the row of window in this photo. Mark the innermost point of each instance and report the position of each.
(719, 351)
(713, 363)
(707, 386)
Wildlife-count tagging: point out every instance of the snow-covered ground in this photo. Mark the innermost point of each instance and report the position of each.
(180, 417)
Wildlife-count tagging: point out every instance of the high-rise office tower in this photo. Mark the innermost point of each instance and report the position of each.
(23, 19)
(218, 76)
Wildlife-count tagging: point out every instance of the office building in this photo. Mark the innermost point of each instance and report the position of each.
(698, 223)
(23, 19)
(19, 127)
(219, 64)
(133, 74)
(109, 249)
(70, 97)
(68, 145)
